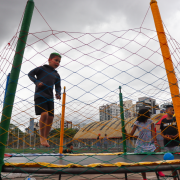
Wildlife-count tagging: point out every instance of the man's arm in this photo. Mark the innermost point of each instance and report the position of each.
(175, 136)
(168, 137)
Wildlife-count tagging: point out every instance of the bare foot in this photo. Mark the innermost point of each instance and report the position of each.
(44, 142)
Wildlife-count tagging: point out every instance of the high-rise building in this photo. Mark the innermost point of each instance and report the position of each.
(109, 112)
(146, 102)
(31, 126)
(129, 109)
(57, 122)
(34, 126)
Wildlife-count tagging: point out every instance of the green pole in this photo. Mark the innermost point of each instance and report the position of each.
(122, 121)
(13, 80)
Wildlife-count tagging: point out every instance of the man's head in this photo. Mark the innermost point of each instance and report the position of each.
(54, 60)
(170, 110)
(70, 146)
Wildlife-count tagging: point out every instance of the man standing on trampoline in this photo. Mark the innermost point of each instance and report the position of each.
(169, 131)
(45, 77)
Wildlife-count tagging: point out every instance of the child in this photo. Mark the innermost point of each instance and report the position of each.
(69, 148)
(146, 136)
(105, 142)
(45, 77)
(99, 141)
(169, 131)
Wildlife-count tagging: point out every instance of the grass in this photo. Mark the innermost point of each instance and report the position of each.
(53, 150)
(39, 150)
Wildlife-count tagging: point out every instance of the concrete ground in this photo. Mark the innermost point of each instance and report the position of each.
(131, 176)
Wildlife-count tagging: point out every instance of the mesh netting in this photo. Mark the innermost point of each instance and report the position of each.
(92, 68)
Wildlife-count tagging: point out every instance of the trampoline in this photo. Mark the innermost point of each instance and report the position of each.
(91, 164)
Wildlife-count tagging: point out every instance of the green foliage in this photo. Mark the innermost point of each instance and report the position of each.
(68, 133)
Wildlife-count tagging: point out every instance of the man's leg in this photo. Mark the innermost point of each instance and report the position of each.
(171, 150)
(42, 126)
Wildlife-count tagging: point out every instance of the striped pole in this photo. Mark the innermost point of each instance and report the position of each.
(173, 83)
(62, 122)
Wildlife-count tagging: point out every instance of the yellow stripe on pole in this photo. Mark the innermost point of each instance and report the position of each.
(62, 122)
(173, 84)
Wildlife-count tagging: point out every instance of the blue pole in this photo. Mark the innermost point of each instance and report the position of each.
(7, 82)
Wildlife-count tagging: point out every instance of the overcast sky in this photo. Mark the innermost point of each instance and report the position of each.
(86, 16)
(94, 81)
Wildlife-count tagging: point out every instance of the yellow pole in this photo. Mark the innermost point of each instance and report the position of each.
(62, 122)
(173, 84)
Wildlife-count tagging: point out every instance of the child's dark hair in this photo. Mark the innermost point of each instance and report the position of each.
(69, 145)
(143, 115)
(52, 55)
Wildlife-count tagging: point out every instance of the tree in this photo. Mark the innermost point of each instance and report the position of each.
(68, 133)
(15, 136)
(15, 130)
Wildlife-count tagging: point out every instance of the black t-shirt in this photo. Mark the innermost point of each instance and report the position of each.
(49, 77)
(169, 127)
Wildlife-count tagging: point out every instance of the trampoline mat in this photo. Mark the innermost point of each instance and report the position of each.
(90, 164)
(85, 160)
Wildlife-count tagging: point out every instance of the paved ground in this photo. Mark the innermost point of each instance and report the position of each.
(19, 176)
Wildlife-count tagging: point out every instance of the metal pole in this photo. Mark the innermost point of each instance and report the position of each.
(13, 137)
(30, 140)
(7, 82)
(14, 76)
(18, 140)
(62, 122)
(34, 140)
(171, 76)
(122, 121)
(23, 140)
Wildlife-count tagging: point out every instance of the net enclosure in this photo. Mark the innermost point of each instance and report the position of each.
(109, 77)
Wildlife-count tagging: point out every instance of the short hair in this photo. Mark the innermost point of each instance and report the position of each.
(169, 106)
(143, 115)
(69, 145)
(54, 54)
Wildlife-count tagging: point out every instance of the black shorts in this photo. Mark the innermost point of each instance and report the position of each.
(44, 105)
